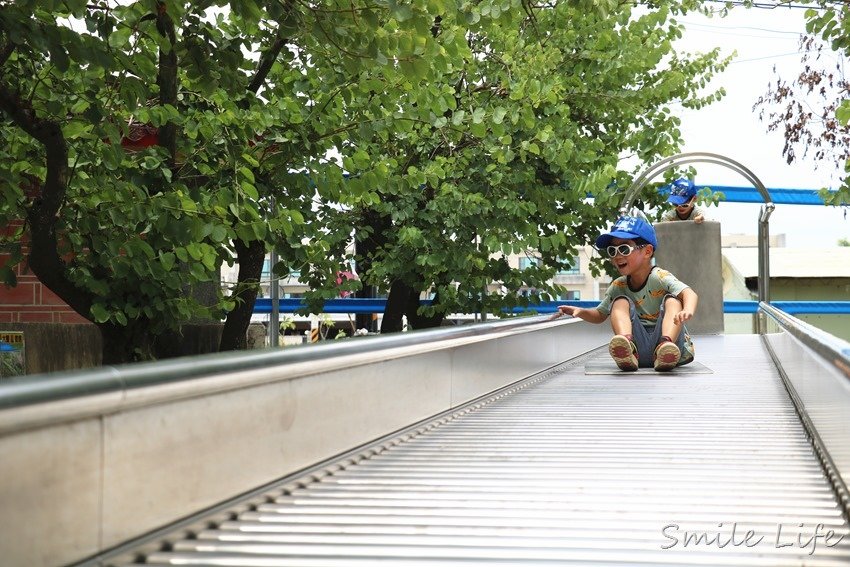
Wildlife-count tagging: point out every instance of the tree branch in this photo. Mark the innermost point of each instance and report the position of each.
(268, 58)
(42, 214)
(49, 134)
(167, 81)
(266, 61)
(6, 51)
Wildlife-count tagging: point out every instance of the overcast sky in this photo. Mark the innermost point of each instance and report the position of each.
(763, 39)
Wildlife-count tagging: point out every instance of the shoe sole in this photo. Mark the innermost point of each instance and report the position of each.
(620, 350)
(666, 357)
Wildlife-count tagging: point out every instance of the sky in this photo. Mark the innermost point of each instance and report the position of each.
(763, 39)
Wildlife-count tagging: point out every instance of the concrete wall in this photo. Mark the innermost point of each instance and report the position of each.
(50, 347)
(54, 347)
(692, 253)
(86, 472)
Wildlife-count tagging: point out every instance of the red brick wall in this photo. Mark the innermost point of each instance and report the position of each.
(31, 302)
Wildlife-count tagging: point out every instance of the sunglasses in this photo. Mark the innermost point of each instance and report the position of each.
(622, 249)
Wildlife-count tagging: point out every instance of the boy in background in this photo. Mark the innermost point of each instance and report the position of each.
(683, 197)
(648, 306)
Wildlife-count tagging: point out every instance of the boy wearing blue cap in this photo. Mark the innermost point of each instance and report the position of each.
(648, 306)
(683, 197)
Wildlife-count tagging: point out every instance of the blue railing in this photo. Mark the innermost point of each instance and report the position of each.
(352, 305)
(792, 307)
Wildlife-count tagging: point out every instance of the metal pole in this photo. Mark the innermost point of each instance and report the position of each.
(764, 252)
(764, 264)
(274, 292)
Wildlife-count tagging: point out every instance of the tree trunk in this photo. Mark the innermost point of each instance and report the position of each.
(418, 321)
(395, 308)
(167, 81)
(43, 212)
(123, 344)
(368, 239)
(404, 300)
(250, 259)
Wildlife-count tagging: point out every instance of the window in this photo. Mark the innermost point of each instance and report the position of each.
(575, 268)
(571, 295)
(526, 262)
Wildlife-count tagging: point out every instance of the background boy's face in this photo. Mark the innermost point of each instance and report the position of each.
(685, 208)
(627, 265)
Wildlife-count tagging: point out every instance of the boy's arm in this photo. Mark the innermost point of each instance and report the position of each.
(591, 315)
(689, 300)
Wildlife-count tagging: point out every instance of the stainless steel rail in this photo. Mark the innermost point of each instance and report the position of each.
(815, 367)
(98, 458)
(831, 349)
(37, 389)
(562, 469)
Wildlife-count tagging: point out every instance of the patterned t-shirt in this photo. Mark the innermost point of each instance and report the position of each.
(671, 215)
(648, 298)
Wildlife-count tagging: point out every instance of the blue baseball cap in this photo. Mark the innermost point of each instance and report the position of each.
(629, 228)
(681, 191)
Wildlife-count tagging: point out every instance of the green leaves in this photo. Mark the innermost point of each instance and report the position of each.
(100, 313)
(464, 135)
(532, 127)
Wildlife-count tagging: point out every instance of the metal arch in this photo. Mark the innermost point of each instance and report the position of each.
(703, 157)
(692, 157)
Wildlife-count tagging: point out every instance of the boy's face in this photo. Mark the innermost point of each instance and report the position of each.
(637, 259)
(685, 208)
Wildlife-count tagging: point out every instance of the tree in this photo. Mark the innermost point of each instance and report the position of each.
(246, 98)
(500, 156)
(466, 129)
(813, 109)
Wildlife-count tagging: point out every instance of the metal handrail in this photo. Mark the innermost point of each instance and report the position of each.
(831, 348)
(27, 390)
(703, 157)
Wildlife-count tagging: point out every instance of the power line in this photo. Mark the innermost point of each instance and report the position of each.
(774, 5)
(765, 57)
(729, 28)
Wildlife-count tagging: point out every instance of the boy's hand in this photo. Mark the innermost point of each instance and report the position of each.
(682, 316)
(698, 219)
(564, 310)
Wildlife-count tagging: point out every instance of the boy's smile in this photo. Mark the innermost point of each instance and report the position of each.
(684, 209)
(636, 265)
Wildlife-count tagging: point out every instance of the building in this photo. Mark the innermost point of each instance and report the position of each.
(580, 284)
(796, 274)
(750, 241)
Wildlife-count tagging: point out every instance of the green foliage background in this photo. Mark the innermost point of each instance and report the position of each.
(470, 129)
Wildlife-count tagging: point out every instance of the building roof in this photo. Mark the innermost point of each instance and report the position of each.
(793, 262)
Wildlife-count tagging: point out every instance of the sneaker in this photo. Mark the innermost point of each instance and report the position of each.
(623, 352)
(666, 356)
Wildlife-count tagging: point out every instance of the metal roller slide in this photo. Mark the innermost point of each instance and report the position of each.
(708, 467)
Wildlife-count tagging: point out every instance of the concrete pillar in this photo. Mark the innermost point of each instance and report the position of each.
(692, 253)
